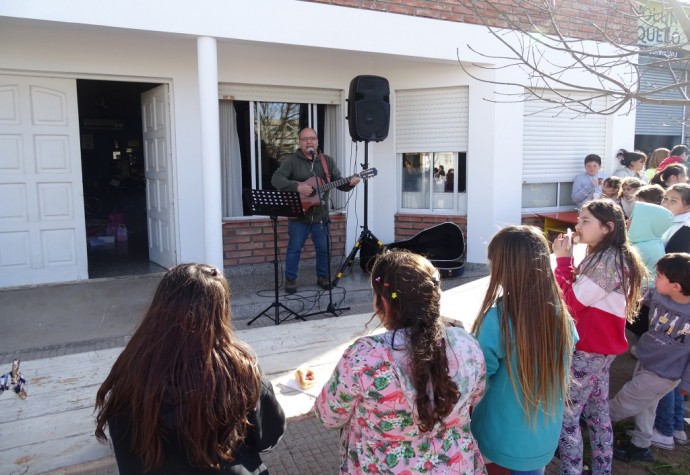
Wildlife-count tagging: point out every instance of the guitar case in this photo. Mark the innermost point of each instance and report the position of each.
(443, 245)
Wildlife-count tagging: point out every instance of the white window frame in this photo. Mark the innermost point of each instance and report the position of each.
(432, 120)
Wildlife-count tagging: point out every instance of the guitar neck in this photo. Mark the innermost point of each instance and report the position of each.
(334, 184)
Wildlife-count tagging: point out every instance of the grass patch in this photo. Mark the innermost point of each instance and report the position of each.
(665, 468)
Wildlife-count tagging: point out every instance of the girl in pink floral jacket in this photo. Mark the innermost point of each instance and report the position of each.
(403, 398)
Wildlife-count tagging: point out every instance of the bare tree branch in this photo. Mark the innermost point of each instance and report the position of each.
(574, 60)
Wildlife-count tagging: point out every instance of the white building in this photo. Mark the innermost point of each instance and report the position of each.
(65, 67)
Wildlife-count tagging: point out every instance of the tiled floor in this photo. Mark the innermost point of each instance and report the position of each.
(120, 259)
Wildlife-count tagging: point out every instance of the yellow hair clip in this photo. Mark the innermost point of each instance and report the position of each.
(394, 295)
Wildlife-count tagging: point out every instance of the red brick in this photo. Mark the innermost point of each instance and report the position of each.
(251, 245)
(249, 231)
(237, 239)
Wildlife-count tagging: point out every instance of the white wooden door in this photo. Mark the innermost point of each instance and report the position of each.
(155, 113)
(42, 229)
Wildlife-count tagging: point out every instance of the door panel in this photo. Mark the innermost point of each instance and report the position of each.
(42, 229)
(157, 162)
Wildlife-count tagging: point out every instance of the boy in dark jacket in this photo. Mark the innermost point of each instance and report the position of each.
(663, 354)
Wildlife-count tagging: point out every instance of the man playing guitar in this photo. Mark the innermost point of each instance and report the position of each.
(296, 169)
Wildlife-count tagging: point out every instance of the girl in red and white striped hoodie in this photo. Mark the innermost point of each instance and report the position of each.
(601, 293)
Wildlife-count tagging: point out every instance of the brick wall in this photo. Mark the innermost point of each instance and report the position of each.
(407, 225)
(575, 18)
(250, 240)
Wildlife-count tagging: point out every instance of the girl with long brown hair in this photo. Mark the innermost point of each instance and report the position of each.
(185, 395)
(526, 334)
(403, 397)
(602, 292)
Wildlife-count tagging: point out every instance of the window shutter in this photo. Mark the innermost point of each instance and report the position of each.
(653, 119)
(431, 120)
(556, 141)
(294, 95)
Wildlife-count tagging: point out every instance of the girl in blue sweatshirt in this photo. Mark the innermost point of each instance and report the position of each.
(527, 337)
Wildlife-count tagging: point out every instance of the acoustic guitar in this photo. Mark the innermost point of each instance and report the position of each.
(308, 201)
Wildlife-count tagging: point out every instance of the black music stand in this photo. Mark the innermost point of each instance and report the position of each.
(276, 203)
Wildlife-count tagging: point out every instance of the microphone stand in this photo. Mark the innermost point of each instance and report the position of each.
(325, 221)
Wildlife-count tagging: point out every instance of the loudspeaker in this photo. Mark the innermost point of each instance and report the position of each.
(368, 108)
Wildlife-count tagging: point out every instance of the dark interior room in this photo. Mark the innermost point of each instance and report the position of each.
(114, 181)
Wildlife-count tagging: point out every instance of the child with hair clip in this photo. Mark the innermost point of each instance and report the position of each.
(527, 337)
(632, 165)
(602, 292)
(403, 398)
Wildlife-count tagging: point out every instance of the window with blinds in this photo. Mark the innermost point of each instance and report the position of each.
(431, 120)
(656, 119)
(555, 143)
(431, 141)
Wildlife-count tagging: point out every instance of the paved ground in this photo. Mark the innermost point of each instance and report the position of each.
(107, 311)
(48, 321)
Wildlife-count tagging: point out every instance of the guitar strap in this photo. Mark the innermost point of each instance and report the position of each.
(325, 168)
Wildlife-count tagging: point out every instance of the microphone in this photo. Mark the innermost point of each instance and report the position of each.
(310, 150)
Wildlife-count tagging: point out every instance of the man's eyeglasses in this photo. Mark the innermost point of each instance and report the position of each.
(305, 139)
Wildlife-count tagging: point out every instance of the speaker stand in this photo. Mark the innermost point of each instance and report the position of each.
(366, 235)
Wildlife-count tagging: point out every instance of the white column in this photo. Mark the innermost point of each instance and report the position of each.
(494, 167)
(210, 150)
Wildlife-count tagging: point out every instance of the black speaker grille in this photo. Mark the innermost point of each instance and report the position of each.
(368, 108)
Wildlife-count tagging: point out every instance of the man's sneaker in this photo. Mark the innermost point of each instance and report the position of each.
(662, 441)
(323, 283)
(680, 437)
(631, 453)
(290, 286)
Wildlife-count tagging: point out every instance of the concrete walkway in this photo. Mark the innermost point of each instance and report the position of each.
(64, 319)
(55, 320)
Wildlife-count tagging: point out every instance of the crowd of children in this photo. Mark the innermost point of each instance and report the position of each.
(428, 397)
(547, 340)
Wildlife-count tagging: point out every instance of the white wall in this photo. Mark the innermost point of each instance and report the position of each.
(155, 41)
(286, 22)
(55, 50)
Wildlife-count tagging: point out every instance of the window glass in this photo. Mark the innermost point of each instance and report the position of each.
(547, 195)
(432, 180)
(276, 129)
(267, 132)
(539, 195)
(565, 190)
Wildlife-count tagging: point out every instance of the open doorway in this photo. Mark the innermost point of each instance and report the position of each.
(114, 183)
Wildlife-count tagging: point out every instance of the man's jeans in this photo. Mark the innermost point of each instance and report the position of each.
(298, 233)
(670, 413)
